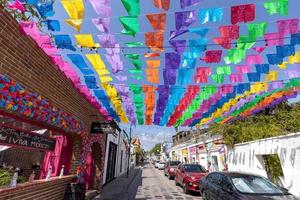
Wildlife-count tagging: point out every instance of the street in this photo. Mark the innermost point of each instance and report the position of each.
(144, 183)
(156, 186)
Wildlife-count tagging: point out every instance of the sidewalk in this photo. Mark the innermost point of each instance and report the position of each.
(122, 188)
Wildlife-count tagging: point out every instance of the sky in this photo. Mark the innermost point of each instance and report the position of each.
(150, 135)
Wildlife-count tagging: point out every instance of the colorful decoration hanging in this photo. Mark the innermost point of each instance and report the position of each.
(16, 99)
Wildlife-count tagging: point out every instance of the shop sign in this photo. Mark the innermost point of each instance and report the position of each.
(100, 128)
(193, 150)
(10, 136)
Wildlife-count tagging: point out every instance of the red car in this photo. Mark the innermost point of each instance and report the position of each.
(170, 169)
(188, 176)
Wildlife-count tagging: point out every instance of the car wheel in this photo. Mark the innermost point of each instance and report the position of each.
(185, 190)
(205, 195)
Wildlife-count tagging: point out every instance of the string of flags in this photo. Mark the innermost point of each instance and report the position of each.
(190, 75)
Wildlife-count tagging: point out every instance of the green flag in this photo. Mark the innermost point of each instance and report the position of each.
(224, 70)
(245, 42)
(277, 6)
(130, 24)
(134, 44)
(256, 30)
(132, 7)
(218, 78)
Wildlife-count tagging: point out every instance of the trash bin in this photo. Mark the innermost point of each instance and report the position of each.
(75, 191)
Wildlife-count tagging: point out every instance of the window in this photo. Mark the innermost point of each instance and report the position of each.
(194, 168)
(254, 185)
(174, 163)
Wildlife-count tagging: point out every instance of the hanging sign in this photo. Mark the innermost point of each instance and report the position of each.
(10, 136)
(101, 127)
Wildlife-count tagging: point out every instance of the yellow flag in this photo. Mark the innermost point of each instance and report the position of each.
(283, 65)
(86, 40)
(74, 8)
(114, 98)
(105, 79)
(258, 87)
(295, 58)
(75, 23)
(272, 76)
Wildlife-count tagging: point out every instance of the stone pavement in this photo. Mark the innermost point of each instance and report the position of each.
(144, 183)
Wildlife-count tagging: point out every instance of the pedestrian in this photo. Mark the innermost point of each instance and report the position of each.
(209, 167)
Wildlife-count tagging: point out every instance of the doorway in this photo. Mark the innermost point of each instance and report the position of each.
(111, 162)
(96, 167)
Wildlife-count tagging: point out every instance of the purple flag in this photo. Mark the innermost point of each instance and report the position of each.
(185, 19)
(172, 60)
(186, 3)
(102, 7)
(102, 24)
(178, 45)
(174, 34)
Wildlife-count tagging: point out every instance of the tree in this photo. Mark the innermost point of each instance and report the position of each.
(281, 120)
(156, 149)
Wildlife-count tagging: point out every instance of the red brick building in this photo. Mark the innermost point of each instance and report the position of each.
(22, 62)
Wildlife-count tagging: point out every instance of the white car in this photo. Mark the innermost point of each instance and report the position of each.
(161, 165)
(156, 163)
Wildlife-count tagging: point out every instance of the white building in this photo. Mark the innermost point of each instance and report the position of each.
(116, 156)
(248, 157)
(192, 147)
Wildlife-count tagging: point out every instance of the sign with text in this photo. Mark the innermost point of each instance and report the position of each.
(100, 128)
(10, 136)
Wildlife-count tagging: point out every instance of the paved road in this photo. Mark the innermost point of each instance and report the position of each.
(154, 185)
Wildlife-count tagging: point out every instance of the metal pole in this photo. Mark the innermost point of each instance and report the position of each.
(128, 165)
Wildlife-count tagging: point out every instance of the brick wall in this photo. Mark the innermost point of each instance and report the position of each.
(24, 62)
(23, 159)
(51, 190)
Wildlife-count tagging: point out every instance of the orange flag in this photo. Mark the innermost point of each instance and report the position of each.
(149, 102)
(151, 55)
(153, 63)
(155, 40)
(152, 75)
(157, 21)
(165, 4)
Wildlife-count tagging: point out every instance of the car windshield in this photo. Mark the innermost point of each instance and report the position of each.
(162, 163)
(174, 163)
(254, 185)
(194, 168)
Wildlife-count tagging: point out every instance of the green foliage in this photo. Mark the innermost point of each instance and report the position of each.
(156, 149)
(273, 167)
(5, 177)
(281, 120)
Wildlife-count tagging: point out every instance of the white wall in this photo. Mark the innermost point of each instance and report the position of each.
(247, 157)
(117, 139)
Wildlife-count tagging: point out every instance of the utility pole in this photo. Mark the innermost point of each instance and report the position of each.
(129, 152)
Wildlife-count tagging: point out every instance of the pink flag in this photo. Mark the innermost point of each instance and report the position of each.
(288, 26)
(243, 69)
(226, 88)
(17, 5)
(254, 59)
(259, 49)
(274, 39)
(236, 78)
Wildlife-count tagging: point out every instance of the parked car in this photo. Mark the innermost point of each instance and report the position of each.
(156, 164)
(161, 165)
(188, 176)
(240, 186)
(170, 169)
